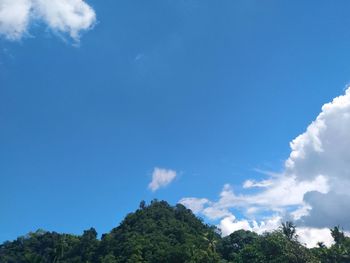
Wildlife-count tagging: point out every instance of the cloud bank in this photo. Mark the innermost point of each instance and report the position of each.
(161, 178)
(63, 16)
(312, 190)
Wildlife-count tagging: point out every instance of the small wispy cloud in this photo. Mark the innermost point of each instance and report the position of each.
(161, 178)
(139, 56)
(62, 16)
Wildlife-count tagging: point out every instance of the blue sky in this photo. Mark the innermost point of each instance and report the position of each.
(213, 90)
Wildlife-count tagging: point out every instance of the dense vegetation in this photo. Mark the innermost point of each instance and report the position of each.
(160, 233)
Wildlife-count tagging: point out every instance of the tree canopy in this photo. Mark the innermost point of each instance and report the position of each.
(159, 232)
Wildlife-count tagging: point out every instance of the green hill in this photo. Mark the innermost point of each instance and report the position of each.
(158, 233)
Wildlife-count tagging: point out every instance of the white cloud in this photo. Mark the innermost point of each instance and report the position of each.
(63, 16)
(253, 183)
(214, 213)
(161, 178)
(311, 236)
(283, 191)
(312, 190)
(269, 224)
(229, 225)
(306, 235)
(195, 204)
(324, 149)
(14, 17)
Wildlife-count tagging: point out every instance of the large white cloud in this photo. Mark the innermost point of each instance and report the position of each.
(324, 149)
(64, 16)
(312, 190)
(14, 17)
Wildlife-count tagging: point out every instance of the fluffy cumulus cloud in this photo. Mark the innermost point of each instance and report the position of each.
(161, 178)
(312, 190)
(63, 16)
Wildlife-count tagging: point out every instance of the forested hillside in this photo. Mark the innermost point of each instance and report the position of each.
(158, 233)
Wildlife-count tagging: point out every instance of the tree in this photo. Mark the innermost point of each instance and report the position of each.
(338, 236)
(289, 230)
(340, 251)
(275, 247)
(230, 246)
(88, 245)
(161, 233)
(142, 204)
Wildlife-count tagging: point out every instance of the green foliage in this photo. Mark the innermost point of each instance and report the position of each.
(160, 233)
(43, 247)
(339, 252)
(289, 230)
(230, 246)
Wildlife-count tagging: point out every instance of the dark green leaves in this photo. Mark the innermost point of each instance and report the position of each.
(160, 233)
